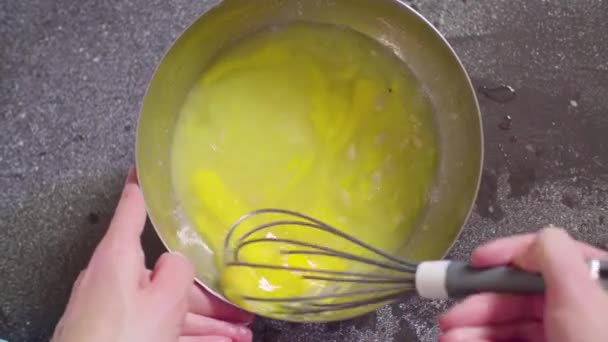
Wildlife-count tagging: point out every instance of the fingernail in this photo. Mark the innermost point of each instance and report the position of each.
(554, 228)
(131, 175)
(557, 234)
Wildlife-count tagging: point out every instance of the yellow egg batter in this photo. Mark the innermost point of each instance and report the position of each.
(314, 118)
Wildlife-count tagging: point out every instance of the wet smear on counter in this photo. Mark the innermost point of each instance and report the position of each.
(521, 176)
(521, 180)
(405, 333)
(539, 152)
(267, 333)
(505, 124)
(366, 321)
(93, 218)
(502, 93)
(487, 198)
(504, 155)
(569, 201)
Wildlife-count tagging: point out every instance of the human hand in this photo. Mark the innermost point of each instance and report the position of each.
(117, 299)
(573, 309)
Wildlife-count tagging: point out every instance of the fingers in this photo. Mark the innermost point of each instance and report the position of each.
(549, 242)
(501, 251)
(490, 308)
(129, 218)
(204, 339)
(521, 331)
(197, 325)
(203, 303)
(172, 276)
(550, 251)
(504, 251)
(553, 252)
(569, 297)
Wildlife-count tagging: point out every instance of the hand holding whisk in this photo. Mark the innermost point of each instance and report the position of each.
(393, 278)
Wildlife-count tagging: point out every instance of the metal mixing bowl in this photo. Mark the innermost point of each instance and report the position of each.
(390, 22)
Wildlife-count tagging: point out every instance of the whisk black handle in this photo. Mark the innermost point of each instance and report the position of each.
(455, 279)
(463, 280)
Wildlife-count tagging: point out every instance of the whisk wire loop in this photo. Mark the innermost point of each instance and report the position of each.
(308, 222)
(356, 288)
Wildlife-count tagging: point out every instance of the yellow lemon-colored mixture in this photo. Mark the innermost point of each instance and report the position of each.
(314, 118)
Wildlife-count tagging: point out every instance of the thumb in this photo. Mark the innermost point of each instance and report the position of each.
(172, 276)
(563, 266)
(575, 305)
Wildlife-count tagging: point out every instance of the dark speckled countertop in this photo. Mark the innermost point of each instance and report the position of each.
(72, 74)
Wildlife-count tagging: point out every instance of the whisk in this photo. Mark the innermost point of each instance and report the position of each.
(440, 279)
